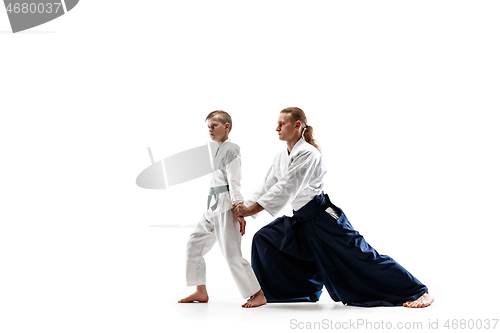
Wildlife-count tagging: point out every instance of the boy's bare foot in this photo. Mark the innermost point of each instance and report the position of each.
(257, 300)
(200, 295)
(422, 302)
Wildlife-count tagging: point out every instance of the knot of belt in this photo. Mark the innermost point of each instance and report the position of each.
(214, 192)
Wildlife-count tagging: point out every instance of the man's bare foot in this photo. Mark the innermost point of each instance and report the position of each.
(200, 295)
(422, 302)
(257, 300)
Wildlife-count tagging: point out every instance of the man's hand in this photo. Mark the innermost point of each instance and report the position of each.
(240, 210)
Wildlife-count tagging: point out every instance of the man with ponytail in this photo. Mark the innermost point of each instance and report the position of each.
(293, 257)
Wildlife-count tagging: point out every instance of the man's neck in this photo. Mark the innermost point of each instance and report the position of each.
(291, 144)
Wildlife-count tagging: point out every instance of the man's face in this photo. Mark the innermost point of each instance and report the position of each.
(286, 127)
(216, 129)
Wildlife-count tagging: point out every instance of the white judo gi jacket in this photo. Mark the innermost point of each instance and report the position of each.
(293, 178)
(226, 170)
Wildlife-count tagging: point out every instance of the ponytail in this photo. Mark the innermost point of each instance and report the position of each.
(307, 134)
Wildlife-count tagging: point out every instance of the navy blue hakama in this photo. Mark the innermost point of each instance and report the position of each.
(294, 256)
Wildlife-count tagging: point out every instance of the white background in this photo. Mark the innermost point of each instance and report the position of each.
(403, 97)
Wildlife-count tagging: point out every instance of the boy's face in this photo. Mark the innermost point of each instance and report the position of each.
(218, 131)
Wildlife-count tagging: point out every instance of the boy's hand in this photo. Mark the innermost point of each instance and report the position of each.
(234, 208)
(243, 224)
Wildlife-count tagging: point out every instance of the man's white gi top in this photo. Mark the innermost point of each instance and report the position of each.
(294, 177)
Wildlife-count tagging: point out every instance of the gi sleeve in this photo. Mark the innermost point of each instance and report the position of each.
(233, 172)
(297, 177)
(263, 187)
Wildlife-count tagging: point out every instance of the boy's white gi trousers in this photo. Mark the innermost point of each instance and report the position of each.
(225, 228)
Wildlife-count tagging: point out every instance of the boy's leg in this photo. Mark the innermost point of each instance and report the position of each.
(200, 242)
(227, 230)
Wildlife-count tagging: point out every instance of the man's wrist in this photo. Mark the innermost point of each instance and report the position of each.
(254, 209)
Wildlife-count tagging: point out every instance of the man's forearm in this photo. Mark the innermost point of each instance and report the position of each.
(254, 209)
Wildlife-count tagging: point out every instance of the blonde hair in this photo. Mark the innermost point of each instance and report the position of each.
(223, 117)
(298, 114)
